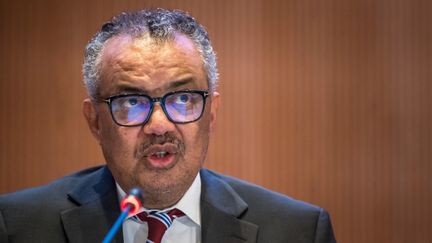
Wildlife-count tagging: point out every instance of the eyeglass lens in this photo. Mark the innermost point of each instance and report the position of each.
(179, 107)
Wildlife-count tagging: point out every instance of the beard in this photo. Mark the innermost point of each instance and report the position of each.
(163, 187)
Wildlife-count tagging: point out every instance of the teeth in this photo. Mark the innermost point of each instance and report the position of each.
(160, 154)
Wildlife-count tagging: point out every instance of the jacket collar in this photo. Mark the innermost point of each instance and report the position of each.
(221, 211)
(97, 208)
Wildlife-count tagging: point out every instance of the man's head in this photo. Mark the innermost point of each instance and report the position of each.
(156, 144)
(158, 24)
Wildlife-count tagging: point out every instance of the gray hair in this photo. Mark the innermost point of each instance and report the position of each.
(159, 24)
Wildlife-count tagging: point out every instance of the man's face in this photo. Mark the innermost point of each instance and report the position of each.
(142, 65)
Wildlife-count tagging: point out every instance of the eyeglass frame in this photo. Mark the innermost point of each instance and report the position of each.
(153, 100)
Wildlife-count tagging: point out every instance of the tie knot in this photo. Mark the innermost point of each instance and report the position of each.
(158, 222)
(167, 217)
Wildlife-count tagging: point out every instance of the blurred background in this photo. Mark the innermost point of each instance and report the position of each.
(326, 101)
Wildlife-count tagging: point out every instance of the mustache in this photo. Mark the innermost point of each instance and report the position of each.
(160, 140)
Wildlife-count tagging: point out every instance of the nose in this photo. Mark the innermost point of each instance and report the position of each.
(158, 123)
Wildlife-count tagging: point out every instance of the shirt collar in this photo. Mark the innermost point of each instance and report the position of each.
(189, 204)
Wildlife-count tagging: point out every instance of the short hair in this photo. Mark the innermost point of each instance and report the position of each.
(159, 24)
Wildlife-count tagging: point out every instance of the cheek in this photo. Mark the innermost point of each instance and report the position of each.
(196, 137)
(118, 144)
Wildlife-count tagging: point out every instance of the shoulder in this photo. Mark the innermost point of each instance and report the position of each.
(34, 214)
(54, 193)
(278, 216)
(253, 195)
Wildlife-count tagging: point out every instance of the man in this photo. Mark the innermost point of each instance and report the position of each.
(151, 78)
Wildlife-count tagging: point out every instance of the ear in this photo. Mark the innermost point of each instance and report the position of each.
(92, 118)
(215, 100)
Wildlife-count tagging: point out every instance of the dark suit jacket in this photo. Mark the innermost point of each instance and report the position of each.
(83, 206)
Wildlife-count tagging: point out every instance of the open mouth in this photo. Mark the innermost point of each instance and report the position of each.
(161, 156)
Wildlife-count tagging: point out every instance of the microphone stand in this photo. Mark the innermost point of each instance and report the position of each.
(112, 232)
(130, 204)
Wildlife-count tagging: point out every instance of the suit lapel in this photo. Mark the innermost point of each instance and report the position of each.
(97, 208)
(221, 210)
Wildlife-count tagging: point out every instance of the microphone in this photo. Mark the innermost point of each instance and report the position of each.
(130, 204)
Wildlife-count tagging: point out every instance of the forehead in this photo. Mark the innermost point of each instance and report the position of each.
(150, 64)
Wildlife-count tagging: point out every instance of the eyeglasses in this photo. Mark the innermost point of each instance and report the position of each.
(135, 109)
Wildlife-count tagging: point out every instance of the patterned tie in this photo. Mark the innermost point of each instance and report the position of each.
(158, 222)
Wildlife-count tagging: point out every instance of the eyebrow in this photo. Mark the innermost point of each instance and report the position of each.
(127, 88)
(178, 83)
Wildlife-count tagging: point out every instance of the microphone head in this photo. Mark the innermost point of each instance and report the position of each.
(132, 201)
(136, 192)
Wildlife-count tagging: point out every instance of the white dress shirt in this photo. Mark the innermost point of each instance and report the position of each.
(186, 229)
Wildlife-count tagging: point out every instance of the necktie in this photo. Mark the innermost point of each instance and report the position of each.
(158, 222)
